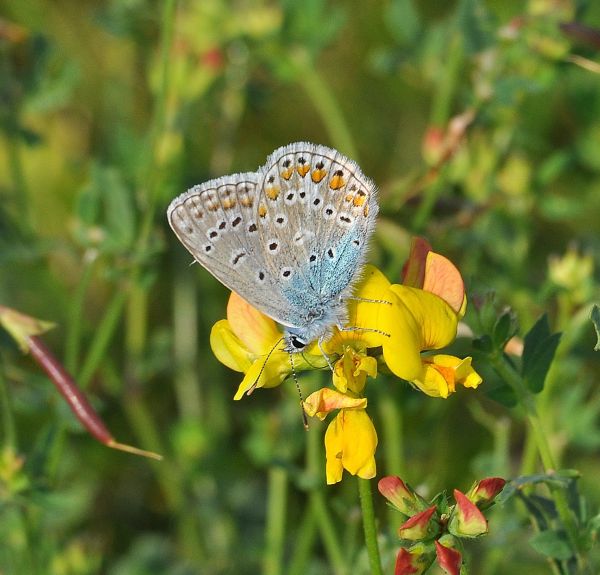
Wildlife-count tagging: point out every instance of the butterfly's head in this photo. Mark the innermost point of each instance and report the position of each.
(295, 343)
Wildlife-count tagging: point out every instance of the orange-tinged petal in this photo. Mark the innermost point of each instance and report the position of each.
(228, 348)
(254, 329)
(443, 279)
(434, 273)
(434, 383)
(350, 442)
(324, 400)
(441, 374)
(436, 319)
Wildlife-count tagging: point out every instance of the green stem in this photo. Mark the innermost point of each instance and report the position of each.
(103, 335)
(324, 102)
(15, 165)
(73, 338)
(393, 449)
(169, 478)
(328, 532)
(370, 528)
(440, 114)
(9, 431)
(303, 542)
(185, 346)
(276, 514)
(527, 401)
(329, 536)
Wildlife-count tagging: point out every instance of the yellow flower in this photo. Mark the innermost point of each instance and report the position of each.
(350, 439)
(442, 372)
(245, 339)
(387, 323)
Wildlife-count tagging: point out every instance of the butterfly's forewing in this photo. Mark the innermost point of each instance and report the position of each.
(316, 210)
(217, 222)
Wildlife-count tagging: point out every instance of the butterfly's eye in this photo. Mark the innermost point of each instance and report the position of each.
(297, 342)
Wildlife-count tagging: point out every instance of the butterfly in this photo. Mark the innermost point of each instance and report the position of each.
(290, 238)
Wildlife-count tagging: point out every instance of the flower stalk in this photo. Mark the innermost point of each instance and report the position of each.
(527, 401)
(369, 525)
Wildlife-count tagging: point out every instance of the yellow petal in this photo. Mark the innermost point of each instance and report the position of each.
(388, 324)
(373, 286)
(436, 319)
(228, 348)
(254, 329)
(324, 400)
(263, 373)
(351, 370)
(350, 442)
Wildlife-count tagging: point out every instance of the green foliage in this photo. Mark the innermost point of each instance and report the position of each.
(538, 353)
(479, 122)
(595, 317)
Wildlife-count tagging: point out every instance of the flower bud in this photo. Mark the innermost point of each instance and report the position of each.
(400, 495)
(415, 560)
(484, 492)
(423, 525)
(448, 558)
(466, 519)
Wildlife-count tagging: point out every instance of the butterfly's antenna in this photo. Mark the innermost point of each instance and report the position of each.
(262, 369)
(295, 376)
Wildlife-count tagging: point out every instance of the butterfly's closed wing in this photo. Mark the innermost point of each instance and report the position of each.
(290, 239)
(216, 221)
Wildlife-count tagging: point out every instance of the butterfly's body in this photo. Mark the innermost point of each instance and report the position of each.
(290, 239)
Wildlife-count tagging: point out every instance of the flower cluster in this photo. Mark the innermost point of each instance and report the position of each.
(392, 324)
(433, 531)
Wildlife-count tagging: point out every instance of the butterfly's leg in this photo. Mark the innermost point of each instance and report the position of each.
(358, 328)
(365, 300)
(320, 343)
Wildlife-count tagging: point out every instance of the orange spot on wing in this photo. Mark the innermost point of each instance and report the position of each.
(337, 182)
(302, 169)
(262, 210)
(287, 174)
(359, 199)
(228, 203)
(318, 175)
(273, 192)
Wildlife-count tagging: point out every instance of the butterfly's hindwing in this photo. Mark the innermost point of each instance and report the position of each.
(216, 222)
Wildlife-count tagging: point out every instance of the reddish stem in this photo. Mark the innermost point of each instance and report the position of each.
(65, 383)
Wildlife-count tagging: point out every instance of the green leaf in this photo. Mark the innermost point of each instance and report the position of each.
(552, 544)
(504, 328)
(595, 317)
(538, 353)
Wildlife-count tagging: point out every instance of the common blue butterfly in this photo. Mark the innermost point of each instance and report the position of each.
(290, 238)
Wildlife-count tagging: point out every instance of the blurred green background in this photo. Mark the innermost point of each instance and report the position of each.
(479, 122)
